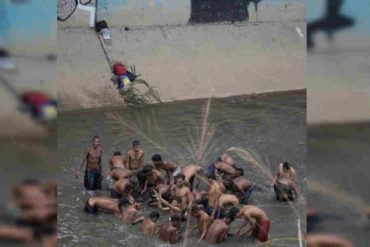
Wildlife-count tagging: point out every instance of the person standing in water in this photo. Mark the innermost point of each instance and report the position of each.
(135, 157)
(285, 170)
(93, 170)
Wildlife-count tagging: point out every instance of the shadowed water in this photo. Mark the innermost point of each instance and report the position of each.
(274, 127)
(338, 157)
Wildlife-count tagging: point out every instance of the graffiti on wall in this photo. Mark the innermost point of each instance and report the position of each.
(207, 11)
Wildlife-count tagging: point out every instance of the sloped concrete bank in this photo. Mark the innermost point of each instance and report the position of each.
(183, 62)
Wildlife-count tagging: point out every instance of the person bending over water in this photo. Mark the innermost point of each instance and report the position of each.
(226, 158)
(124, 187)
(148, 226)
(168, 231)
(218, 231)
(240, 185)
(151, 176)
(93, 171)
(225, 168)
(189, 172)
(228, 199)
(286, 189)
(285, 170)
(129, 214)
(114, 205)
(257, 218)
(135, 157)
(116, 161)
(117, 174)
(168, 203)
(184, 193)
(203, 221)
(171, 168)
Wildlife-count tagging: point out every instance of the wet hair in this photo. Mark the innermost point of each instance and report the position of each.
(175, 218)
(229, 217)
(152, 184)
(134, 180)
(219, 159)
(139, 199)
(96, 137)
(240, 170)
(154, 214)
(147, 168)
(117, 153)
(157, 157)
(122, 202)
(211, 176)
(286, 165)
(135, 143)
(167, 196)
(232, 213)
(30, 182)
(194, 208)
(178, 199)
(180, 176)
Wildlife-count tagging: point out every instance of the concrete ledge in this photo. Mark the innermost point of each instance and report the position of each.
(183, 62)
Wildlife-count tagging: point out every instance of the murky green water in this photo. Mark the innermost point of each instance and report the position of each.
(272, 126)
(338, 156)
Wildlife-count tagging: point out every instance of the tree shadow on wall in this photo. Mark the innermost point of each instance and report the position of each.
(213, 11)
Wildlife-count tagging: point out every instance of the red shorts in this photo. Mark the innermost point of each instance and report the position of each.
(261, 232)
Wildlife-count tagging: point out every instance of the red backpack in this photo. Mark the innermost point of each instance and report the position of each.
(119, 69)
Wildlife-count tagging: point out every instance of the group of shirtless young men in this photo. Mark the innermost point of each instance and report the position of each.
(131, 180)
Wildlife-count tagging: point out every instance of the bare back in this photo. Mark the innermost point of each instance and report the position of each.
(216, 232)
(252, 212)
(120, 173)
(148, 227)
(189, 171)
(167, 232)
(116, 161)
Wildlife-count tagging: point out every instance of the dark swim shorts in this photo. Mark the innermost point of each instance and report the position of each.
(92, 180)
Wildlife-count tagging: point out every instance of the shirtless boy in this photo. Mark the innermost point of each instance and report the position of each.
(124, 187)
(168, 203)
(203, 221)
(168, 231)
(151, 176)
(255, 217)
(184, 193)
(240, 185)
(225, 168)
(285, 170)
(218, 231)
(114, 205)
(215, 191)
(116, 161)
(189, 173)
(129, 214)
(93, 171)
(226, 158)
(286, 189)
(135, 157)
(171, 168)
(148, 226)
